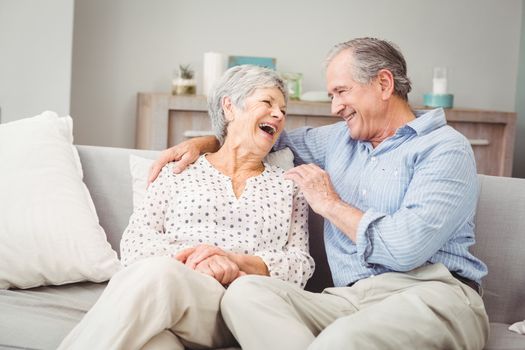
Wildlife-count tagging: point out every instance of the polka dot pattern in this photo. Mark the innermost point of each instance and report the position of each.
(269, 219)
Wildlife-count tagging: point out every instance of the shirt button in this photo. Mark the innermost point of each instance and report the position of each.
(373, 159)
(363, 192)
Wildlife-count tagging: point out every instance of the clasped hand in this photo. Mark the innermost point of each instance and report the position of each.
(211, 261)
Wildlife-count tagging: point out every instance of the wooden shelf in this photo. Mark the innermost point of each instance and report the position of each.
(163, 120)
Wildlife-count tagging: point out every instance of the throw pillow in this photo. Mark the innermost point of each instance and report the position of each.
(282, 158)
(49, 230)
(139, 168)
(518, 327)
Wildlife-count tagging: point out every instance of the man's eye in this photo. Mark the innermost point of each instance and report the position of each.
(267, 102)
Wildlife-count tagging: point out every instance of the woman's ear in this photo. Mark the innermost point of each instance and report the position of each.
(386, 81)
(228, 108)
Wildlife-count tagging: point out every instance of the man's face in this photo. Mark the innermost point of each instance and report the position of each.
(360, 105)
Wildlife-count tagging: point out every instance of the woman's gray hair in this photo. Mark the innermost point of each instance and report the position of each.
(370, 55)
(238, 83)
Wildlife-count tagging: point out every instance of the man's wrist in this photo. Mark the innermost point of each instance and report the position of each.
(331, 207)
(207, 144)
(344, 216)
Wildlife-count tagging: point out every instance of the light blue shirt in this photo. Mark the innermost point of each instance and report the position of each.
(418, 190)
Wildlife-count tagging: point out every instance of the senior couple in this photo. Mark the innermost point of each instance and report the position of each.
(218, 252)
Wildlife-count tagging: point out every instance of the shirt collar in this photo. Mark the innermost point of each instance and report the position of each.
(425, 122)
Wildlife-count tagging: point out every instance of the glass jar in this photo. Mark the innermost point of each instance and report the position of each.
(294, 83)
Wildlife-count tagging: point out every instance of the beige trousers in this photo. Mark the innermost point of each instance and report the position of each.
(156, 303)
(425, 308)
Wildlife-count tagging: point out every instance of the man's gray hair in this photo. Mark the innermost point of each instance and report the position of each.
(370, 55)
(238, 83)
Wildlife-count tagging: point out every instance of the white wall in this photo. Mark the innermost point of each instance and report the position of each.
(122, 47)
(35, 57)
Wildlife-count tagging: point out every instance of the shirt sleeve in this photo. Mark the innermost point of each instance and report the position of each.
(441, 198)
(308, 144)
(293, 262)
(145, 235)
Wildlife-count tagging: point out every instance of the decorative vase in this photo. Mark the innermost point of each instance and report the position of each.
(184, 83)
(182, 86)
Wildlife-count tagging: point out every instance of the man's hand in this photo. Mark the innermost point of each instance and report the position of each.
(185, 153)
(316, 186)
(319, 192)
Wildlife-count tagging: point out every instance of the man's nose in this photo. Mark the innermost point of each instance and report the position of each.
(337, 107)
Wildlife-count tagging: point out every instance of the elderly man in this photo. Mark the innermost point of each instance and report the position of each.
(399, 197)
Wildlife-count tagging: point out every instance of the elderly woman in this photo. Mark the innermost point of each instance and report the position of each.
(229, 214)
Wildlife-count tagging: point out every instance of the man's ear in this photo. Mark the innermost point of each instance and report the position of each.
(386, 81)
(228, 107)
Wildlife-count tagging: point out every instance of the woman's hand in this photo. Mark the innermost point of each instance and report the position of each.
(193, 256)
(184, 153)
(246, 264)
(221, 268)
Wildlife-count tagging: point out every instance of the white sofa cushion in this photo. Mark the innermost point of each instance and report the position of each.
(49, 230)
(139, 168)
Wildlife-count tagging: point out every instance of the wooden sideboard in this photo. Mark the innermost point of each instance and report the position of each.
(164, 120)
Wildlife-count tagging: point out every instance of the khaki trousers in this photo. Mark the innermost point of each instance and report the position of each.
(156, 303)
(425, 308)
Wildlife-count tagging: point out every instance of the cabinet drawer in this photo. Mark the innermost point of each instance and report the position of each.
(487, 141)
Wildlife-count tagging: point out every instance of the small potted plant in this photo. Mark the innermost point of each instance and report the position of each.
(184, 82)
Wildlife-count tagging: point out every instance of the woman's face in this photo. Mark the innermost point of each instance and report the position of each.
(258, 125)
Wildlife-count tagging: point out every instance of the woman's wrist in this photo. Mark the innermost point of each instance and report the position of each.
(250, 264)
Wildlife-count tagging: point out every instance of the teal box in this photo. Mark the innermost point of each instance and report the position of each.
(267, 62)
(438, 100)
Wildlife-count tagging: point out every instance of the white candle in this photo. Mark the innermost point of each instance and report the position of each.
(439, 81)
(214, 66)
(439, 86)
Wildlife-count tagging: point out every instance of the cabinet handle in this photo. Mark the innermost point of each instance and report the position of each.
(479, 142)
(197, 133)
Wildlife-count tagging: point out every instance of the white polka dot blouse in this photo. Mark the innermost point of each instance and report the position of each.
(198, 206)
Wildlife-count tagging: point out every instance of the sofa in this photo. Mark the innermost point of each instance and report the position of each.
(38, 318)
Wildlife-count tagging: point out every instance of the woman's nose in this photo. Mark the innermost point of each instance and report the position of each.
(277, 113)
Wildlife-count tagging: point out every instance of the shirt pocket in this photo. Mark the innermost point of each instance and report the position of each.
(385, 187)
